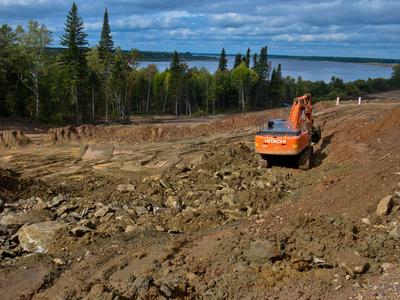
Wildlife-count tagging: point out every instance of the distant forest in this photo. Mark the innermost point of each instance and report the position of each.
(75, 84)
(363, 60)
(150, 55)
(187, 56)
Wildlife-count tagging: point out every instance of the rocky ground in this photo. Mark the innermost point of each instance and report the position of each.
(182, 209)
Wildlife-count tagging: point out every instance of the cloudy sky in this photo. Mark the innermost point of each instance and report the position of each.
(366, 28)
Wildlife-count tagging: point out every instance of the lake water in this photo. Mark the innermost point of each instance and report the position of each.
(308, 70)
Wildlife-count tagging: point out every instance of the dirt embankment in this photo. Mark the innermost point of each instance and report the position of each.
(13, 139)
(131, 134)
(195, 216)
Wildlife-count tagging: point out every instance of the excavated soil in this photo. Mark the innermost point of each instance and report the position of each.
(183, 210)
(164, 131)
(13, 139)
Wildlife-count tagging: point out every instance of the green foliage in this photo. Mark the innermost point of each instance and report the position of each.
(10, 67)
(262, 67)
(238, 60)
(247, 57)
(243, 79)
(117, 85)
(33, 43)
(276, 89)
(255, 61)
(396, 76)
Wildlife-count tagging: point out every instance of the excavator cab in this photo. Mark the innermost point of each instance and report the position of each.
(293, 137)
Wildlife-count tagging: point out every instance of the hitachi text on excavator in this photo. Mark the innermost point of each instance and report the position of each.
(293, 137)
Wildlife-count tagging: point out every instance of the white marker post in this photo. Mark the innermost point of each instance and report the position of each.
(359, 100)
(337, 101)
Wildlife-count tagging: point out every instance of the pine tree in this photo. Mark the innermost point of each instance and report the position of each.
(255, 61)
(238, 60)
(247, 58)
(74, 38)
(223, 62)
(175, 64)
(106, 44)
(276, 86)
(106, 50)
(263, 68)
(73, 55)
(279, 72)
(175, 79)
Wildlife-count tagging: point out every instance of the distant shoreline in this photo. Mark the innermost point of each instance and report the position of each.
(194, 58)
(385, 62)
(160, 56)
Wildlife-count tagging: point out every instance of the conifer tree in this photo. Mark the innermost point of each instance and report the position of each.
(238, 60)
(175, 79)
(73, 56)
(106, 50)
(74, 38)
(223, 62)
(247, 58)
(263, 68)
(279, 71)
(255, 61)
(106, 44)
(276, 86)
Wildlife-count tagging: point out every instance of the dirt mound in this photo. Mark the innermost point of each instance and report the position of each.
(71, 134)
(389, 124)
(131, 134)
(13, 139)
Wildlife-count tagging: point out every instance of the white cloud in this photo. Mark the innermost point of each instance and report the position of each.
(330, 37)
(5, 3)
(312, 25)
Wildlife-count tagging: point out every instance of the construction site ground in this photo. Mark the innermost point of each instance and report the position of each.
(180, 208)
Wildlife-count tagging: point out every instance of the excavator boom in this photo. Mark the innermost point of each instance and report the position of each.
(301, 105)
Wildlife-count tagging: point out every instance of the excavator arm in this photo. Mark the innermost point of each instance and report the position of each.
(301, 113)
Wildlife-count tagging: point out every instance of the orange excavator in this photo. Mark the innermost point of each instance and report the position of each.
(293, 137)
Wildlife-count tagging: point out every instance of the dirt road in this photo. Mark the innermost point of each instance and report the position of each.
(183, 210)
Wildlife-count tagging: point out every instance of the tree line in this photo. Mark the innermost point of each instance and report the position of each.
(104, 83)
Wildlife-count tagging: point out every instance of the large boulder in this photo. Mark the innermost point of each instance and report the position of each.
(395, 232)
(262, 251)
(126, 188)
(19, 219)
(39, 237)
(384, 206)
(352, 263)
(173, 203)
